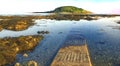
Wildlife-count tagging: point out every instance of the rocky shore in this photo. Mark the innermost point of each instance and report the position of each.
(19, 23)
(118, 22)
(1, 28)
(16, 24)
(10, 46)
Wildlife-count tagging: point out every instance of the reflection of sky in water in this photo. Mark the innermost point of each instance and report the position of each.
(41, 25)
(103, 41)
(51, 25)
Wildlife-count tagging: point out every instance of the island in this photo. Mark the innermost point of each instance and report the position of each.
(73, 13)
(68, 10)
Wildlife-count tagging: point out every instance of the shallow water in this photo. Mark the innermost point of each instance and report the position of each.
(102, 37)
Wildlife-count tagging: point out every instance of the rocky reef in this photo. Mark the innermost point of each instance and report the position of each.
(10, 46)
(16, 24)
(118, 22)
(75, 17)
(29, 63)
(1, 28)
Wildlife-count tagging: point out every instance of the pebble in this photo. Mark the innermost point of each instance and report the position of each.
(25, 55)
(32, 63)
(17, 64)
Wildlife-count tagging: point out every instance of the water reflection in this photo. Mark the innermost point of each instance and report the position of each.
(103, 41)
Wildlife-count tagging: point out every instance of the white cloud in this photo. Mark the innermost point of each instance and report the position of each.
(20, 6)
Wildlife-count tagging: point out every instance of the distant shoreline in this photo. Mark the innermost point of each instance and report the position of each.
(80, 14)
(60, 16)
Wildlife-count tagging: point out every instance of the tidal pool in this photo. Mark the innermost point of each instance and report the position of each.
(102, 37)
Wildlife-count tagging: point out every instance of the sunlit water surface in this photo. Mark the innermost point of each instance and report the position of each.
(103, 39)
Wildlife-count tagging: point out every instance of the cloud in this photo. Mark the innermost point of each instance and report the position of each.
(19, 6)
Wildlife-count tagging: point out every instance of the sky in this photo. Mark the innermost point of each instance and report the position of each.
(95, 6)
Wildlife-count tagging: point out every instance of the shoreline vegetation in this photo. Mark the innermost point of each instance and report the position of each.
(11, 46)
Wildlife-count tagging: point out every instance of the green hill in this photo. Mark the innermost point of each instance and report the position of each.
(70, 9)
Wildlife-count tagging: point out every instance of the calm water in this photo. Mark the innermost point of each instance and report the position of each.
(25, 14)
(102, 37)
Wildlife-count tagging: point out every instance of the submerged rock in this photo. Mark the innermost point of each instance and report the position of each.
(10, 46)
(1, 28)
(43, 32)
(32, 63)
(25, 55)
(16, 24)
(17, 64)
(118, 22)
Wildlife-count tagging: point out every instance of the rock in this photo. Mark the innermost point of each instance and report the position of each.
(17, 64)
(32, 63)
(25, 55)
(1, 28)
(16, 24)
(17, 49)
(10, 46)
(43, 32)
(60, 33)
(46, 32)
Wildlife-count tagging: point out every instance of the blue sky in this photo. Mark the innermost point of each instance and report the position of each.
(96, 6)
